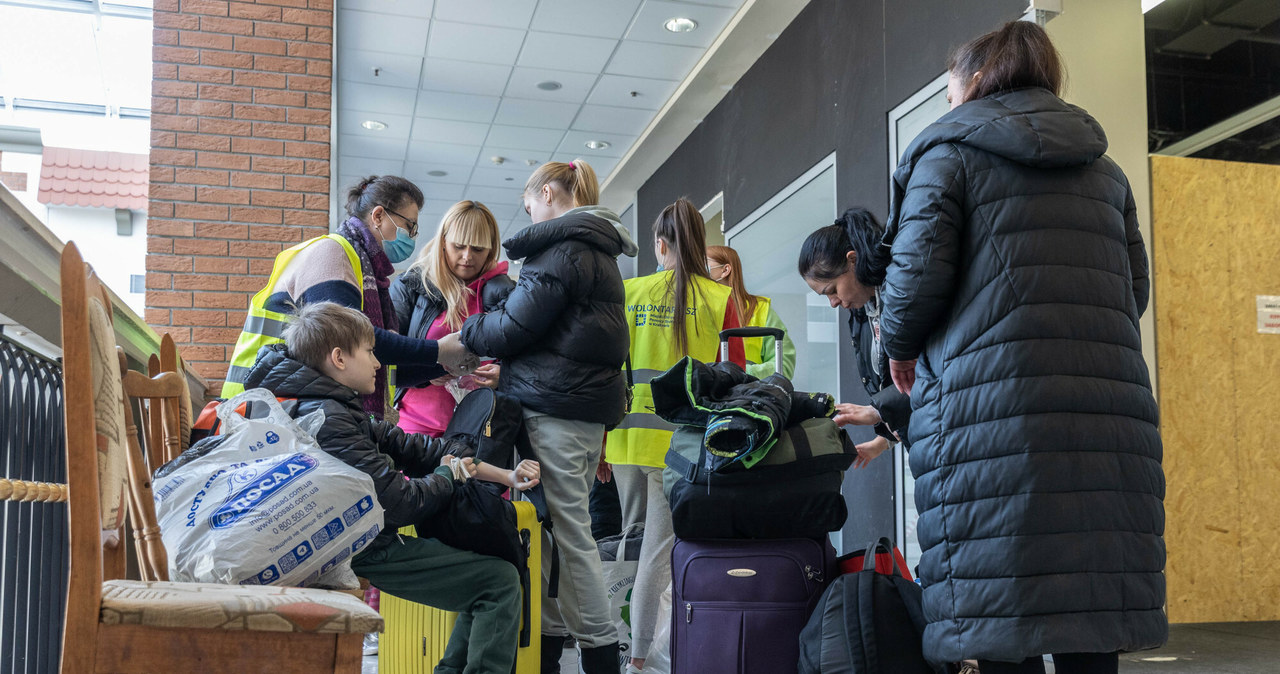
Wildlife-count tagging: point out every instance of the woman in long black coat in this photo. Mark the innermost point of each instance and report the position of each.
(1017, 278)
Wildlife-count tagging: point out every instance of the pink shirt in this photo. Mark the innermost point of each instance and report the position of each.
(428, 409)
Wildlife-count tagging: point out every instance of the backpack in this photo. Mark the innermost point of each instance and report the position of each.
(867, 622)
(490, 422)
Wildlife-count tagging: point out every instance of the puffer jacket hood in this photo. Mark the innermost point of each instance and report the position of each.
(1029, 126)
(595, 226)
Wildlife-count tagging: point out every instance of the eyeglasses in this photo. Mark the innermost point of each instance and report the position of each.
(413, 224)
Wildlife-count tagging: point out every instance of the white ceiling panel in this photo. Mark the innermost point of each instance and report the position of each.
(603, 18)
(556, 51)
(496, 176)
(375, 99)
(394, 70)
(449, 131)
(418, 8)
(368, 31)
(505, 13)
(649, 94)
(371, 148)
(465, 77)
(442, 191)
(650, 23)
(610, 119)
(601, 165)
(658, 61)
(544, 114)
(525, 137)
(419, 171)
(442, 153)
(575, 141)
(574, 87)
(469, 42)
(397, 125)
(512, 157)
(364, 166)
(457, 86)
(461, 107)
(495, 195)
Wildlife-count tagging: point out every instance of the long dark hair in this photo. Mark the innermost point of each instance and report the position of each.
(386, 191)
(1017, 54)
(681, 226)
(824, 255)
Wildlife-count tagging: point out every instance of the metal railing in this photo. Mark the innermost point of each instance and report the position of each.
(33, 545)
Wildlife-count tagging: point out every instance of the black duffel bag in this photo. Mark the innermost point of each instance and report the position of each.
(794, 492)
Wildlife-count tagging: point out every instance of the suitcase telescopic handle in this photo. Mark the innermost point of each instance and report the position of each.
(775, 333)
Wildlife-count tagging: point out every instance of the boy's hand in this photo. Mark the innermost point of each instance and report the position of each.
(525, 475)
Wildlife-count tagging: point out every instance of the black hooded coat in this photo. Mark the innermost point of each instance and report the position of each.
(1017, 279)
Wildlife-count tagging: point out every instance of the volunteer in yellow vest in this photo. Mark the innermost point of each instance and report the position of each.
(676, 312)
(725, 267)
(351, 267)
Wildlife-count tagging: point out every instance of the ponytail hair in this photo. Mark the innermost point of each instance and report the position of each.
(1015, 55)
(825, 254)
(386, 191)
(681, 226)
(576, 178)
(743, 301)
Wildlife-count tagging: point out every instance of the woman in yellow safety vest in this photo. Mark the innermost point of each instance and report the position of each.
(725, 268)
(674, 313)
(353, 268)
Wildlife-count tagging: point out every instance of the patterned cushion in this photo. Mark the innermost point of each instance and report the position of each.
(108, 411)
(259, 608)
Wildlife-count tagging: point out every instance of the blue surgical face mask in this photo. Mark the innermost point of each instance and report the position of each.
(401, 248)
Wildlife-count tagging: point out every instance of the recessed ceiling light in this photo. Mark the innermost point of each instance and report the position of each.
(549, 85)
(373, 125)
(508, 179)
(597, 144)
(437, 174)
(531, 162)
(680, 24)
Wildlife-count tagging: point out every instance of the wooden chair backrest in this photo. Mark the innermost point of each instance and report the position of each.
(158, 399)
(95, 469)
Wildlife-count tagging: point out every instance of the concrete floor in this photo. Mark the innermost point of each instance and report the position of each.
(1207, 648)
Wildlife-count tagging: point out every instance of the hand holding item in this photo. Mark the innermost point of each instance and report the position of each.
(869, 450)
(454, 357)
(487, 375)
(856, 415)
(526, 475)
(463, 469)
(904, 374)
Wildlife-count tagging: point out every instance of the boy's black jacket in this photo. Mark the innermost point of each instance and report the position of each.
(377, 448)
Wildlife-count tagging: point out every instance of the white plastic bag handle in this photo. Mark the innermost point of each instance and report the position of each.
(306, 425)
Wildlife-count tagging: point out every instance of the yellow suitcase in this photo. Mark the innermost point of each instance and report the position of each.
(414, 636)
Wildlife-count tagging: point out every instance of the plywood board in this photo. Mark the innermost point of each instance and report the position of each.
(1214, 248)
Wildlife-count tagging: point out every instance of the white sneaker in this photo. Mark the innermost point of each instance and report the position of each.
(371, 643)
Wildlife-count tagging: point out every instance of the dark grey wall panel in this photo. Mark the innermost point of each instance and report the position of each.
(825, 84)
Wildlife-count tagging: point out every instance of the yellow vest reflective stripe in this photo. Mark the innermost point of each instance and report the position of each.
(263, 326)
(755, 346)
(642, 438)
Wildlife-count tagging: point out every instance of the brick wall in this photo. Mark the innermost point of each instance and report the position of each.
(239, 160)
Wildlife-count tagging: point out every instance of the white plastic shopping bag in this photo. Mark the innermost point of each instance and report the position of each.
(265, 505)
(619, 562)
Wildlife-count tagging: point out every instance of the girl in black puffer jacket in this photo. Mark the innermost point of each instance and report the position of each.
(562, 338)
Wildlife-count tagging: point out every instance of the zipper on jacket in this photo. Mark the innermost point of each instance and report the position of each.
(688, 613)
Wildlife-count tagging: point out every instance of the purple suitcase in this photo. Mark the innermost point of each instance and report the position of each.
(737, 606)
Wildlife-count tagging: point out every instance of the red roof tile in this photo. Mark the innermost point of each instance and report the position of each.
(70, 177)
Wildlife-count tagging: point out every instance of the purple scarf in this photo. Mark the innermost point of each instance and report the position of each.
(374, 286)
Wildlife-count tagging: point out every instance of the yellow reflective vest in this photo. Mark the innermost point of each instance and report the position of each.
(760, 350)
(642, 438)
(263, 326)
